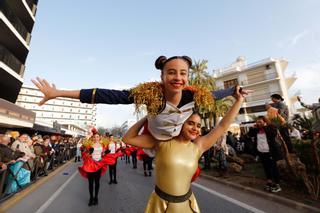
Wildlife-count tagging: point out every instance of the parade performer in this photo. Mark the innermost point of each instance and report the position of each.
(131, 151)
(177, 160)
(95, 160)
(147, 161)
(114, 149)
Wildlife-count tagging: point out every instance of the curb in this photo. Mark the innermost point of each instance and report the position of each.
(272, 197)
(7, 204)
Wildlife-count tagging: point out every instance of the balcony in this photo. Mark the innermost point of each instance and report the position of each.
(11, 61)
(260, 97)
(259, 78)
(15, 21)
(32, 4)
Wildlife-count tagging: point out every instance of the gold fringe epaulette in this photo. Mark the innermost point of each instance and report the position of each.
(202, 97)
(151, 95)
(87, 143)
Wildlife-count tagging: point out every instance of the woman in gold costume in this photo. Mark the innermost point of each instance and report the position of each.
(177, 160)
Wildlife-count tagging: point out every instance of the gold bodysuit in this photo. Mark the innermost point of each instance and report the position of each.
(176, 163)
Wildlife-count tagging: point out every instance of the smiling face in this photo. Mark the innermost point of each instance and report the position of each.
(175, 75)
(191, 128)
(96, 138)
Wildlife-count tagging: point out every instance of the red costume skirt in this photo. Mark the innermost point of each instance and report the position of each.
(89, 165)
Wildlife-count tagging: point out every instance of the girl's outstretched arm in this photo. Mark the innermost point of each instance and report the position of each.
(205, 142)
(92, 96)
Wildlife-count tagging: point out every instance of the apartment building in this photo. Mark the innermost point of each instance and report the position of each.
(17, 18)
(265, 77)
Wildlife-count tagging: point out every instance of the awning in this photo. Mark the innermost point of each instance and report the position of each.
(14, 116)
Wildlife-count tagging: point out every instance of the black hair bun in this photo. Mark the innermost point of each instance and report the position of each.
(187, 59)
(159, 63)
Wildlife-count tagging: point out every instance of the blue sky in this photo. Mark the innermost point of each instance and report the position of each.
(113, 44)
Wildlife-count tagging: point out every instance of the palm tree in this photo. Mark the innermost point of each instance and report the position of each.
(311, 180)
(200, 77)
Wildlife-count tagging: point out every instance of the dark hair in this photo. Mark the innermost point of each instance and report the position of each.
(261, 117)
(162, 60)
(277, 96)
(46, 137)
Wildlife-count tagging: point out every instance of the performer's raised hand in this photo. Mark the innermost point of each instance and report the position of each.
(49, 91)
(240, 94)
(298, 98)
(244, 92)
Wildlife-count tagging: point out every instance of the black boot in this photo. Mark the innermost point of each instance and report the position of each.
(95, 201)
(90, 202)
(110, 182)
(145, 174)
(149, 173)
(115, 181)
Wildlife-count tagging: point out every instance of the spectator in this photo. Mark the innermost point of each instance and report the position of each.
(49, 153)
(268, 151)
(78, 152)
(39, 151)
(23, 144)
(206, 154)
(231, 140)
(284, 113)
(294, 133)
(222, 151)
(315, 107)
(18, 176)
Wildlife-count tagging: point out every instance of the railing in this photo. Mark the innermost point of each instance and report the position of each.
(14, 20)
(32, 5)
(10, 60)
(263, 96)
(3, 175)
(260, 78)
(234, 68)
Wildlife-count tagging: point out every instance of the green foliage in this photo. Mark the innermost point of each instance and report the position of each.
(303, 151)
(302, 122)
(198, 76)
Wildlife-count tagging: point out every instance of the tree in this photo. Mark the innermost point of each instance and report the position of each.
(198, 76)
(312, 179)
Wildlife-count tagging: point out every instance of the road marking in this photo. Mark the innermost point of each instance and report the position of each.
(238, 203)
(55, 195)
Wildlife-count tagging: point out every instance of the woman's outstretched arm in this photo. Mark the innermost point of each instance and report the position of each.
(133, 138)
(205, 142)
(92, 96)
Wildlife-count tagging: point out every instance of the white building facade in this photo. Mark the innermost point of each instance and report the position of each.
(65, 111)
(265, 77)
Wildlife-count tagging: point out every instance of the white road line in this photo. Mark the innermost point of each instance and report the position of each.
(238, 203)
(55, 195)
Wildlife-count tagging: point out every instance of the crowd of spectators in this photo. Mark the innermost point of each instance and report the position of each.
(24, 158)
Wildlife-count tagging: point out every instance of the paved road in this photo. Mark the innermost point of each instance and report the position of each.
(68, 192)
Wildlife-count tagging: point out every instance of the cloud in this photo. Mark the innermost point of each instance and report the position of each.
(293, 40)
(298, 37)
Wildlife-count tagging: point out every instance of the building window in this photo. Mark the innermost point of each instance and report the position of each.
(230, 83)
